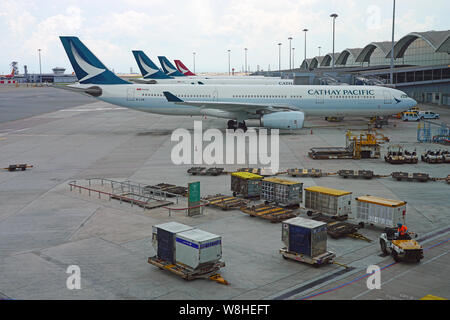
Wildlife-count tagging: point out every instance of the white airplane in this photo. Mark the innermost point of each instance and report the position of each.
(279, 107)
(152, 75)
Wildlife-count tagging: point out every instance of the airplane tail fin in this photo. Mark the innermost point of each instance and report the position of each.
(149, 70)
(88, 68)
(168, 67)
(183, 69)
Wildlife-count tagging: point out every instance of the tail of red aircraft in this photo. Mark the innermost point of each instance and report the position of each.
(183, 69)
(11, 75)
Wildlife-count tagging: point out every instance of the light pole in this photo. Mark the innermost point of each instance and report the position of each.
(245, 60)
(40, 68)
(293, 58)
(193, 54)
(334, 16)
(279, 57)
(319, 50)
(392, 49)
(305, 31)
(290, 53)
(229, 65)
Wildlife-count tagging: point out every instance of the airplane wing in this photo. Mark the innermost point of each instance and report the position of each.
(230, 106)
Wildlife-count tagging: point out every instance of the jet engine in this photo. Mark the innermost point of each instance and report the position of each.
(283, 120)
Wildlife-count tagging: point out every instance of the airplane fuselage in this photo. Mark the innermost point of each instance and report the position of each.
(330, 101)
(221, 81)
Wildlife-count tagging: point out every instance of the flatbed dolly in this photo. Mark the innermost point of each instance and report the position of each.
(188, 274)
(325, 258)
(226, 202)
(272, 213)
(421, 177)
(305, 173)
(18, 167)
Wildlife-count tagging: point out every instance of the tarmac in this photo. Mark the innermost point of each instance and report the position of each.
(45, 227)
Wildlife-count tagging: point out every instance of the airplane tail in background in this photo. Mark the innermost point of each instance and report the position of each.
(149, 70)
(88, 68)
(168, 67)
(183, 69)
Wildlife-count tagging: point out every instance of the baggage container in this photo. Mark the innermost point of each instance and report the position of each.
(281, 191)
(163, 239)
(198, 249)
(304, 236)
(245, 183)
(333, 202)
(380, 212)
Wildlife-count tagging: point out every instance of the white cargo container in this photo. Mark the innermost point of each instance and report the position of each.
(329, 201)
(197, 248)
(380, 212)
(163, 239)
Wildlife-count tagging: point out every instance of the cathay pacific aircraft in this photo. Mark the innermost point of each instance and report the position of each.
(281, 107)
(152, 75)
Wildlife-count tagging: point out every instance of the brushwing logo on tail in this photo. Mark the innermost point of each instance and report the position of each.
(169, 70)
(182, 69)
(150, 71)
(86, 67)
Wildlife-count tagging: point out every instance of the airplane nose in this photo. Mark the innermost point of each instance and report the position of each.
(412, 102)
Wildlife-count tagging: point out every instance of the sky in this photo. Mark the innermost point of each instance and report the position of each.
(177, 28)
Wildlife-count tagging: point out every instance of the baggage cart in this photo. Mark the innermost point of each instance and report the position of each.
(305, 173)
(381, 212)
(282, 192)
(246, 184)
(272, 213)
(332, 202)
(305, 240)
(420, 177)
(225, 202)
(324, 258)
(210, 272)
(366, 174)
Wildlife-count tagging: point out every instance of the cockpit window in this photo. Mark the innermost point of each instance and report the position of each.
(404, 96)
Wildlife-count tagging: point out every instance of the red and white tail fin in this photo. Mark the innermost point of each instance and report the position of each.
(183, 69)
(11, 75)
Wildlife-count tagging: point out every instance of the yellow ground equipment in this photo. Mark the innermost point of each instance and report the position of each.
(365, 145)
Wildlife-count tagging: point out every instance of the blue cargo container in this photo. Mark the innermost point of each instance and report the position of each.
(304, 236)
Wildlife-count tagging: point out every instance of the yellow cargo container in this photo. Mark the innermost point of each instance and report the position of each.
(246, 184)
(334, 202)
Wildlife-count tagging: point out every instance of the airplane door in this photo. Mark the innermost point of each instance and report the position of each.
(215, 95)
(387, 97)
(319, 99)
(130, 94)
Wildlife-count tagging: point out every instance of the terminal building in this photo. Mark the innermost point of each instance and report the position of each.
(58, 76)
(421, 59)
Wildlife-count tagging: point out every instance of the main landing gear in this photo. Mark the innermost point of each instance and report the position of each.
(234, 125)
